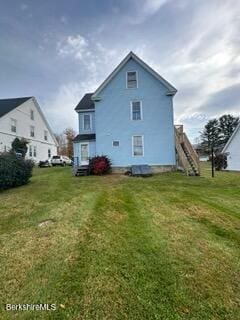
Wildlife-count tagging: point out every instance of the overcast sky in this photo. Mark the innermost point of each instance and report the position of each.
(56, 50)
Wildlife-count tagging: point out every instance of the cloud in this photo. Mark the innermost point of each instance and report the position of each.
(24, 6)
(76, 46)
(224, 100)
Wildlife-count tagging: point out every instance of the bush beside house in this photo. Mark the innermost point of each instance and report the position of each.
(99, 165)
(14, 171)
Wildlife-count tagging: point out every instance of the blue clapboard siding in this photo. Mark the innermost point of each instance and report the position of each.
(113, 120)
(77, 153)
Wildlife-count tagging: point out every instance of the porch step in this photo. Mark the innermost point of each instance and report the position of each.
(81, 171)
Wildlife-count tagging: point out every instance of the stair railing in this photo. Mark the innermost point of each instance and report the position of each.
(193, 154)
(181, 154)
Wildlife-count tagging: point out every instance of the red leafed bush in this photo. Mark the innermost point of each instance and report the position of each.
(100, 165)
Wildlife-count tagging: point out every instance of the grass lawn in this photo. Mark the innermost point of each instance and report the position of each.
(165, 247)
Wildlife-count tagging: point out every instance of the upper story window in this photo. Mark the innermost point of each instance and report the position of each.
(32, 114)
(137, 146)
(32, 131)
(132, 80)
(45, 135)
(136, 110)
(13, 125)
(86, 122)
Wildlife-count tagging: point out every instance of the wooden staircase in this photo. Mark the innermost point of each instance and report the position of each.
(187, 158)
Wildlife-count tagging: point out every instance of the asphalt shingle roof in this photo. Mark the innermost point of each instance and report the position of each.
(7, 105)
(85, 103)
(84, 137)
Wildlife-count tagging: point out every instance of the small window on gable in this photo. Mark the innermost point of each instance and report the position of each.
(32, 114)
(86, 122)
(136, 110)
(132, 79)
(13, 125)
(45, 135)
(32, 131)
(115, 143)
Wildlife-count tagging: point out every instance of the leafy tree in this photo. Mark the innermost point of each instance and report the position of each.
(227, 124)
(70, 134)
(211, 134)
(20, 146)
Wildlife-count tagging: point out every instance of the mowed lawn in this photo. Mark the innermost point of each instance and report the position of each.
(165, 247)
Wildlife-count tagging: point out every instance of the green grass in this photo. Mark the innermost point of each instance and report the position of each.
(165, 247)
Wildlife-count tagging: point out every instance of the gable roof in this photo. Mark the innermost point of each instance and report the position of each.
(131, 55)
(7, 105)
(85, 103)
(231, 138)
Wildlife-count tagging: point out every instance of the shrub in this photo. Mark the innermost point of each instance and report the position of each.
(20, 146)
(14, 171)
(99, 165)
(220, 161)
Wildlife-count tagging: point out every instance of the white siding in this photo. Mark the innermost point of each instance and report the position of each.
(22, 114)
(233, 150)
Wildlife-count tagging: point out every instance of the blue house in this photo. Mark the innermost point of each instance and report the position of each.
(129, 118)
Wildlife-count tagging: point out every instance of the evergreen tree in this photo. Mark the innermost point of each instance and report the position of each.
(227, 124)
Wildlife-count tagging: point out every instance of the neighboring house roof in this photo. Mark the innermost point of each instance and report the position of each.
(85, 103)
(231, 138)
(84, 137)
(131, 55)
(7, 105)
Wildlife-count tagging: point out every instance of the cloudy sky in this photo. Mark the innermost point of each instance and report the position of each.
(56, 50)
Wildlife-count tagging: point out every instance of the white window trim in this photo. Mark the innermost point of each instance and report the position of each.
(32, 113)
(15, 122)
(127, 79)
(45, 131)
(131, 110)
(90, 116)
(138, 135)
(118, 144)
(87, 143)
(32, 131)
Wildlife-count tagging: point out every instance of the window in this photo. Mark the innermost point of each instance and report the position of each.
(49, 153)
(32, 133)
(137, 142)
(86, 122)
(136, 108)
(45, 135)
(32, 114)
(115, 143)
(132, 79)
(13, 125)
(30, 151)
(35, 151)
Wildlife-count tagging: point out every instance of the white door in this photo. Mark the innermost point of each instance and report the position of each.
(84, 153)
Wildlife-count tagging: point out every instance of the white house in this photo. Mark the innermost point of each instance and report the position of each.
(232, 149)
(23, 118)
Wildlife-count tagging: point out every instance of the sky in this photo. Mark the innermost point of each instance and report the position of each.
(57, 50)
